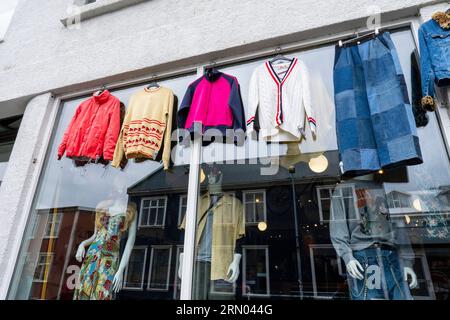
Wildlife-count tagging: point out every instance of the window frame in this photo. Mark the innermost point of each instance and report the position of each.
(312, 248)
(180, 208)
(125, 282)
(49, 263)
(157, 198)
(333, 187)
(244, 202)
(245, 248)
(49, 223)
(149, 282)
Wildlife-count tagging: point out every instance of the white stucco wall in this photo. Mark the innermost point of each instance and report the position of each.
(41, 55)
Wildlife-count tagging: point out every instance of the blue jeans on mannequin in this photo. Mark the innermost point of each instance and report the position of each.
(383, 276)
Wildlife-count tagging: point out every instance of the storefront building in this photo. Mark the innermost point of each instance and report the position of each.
(344, 195)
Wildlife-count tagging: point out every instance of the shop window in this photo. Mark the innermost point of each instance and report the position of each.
(346, 195)
(289, 255)
(43, 265)
(255, 206)
(135, 271)
(8, 131)
(53, 224)
(256, 278)
(153, 212)
(159, 273)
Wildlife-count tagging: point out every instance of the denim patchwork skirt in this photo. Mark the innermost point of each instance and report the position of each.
(374, 120)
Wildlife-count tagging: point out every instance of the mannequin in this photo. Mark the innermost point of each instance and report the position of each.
(113, 217)
(368, 243)
(215, 195)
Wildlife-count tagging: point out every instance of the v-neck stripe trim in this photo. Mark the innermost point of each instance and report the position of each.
(288, 71)
(279, 116)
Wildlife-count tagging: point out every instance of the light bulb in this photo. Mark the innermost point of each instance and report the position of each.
(319, 164)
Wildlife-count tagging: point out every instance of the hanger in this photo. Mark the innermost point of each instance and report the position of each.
(153, 84)
(102, 89)
(279, 56)
(358, 38)
(211, 69)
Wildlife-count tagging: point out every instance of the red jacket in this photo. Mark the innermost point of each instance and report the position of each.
(94, 129)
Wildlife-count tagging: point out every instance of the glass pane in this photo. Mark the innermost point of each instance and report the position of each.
(135, 270)
(159, 269)
(256, 275)
(300, 252)
(98, 205)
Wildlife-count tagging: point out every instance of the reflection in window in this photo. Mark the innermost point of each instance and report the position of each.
(153, 212)
(43, 266)
(345, 194)
(256, 280)
(255, 206)
(398, 200)
(182, 209)
(53, 224)
(160, 259)
(134, 274)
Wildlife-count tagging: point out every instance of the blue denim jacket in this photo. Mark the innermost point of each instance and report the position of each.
(434, 41)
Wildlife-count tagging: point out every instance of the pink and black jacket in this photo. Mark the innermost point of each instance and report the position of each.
(214, 100)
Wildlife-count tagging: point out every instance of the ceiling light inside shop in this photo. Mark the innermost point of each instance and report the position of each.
(262, 226)
(417, 205)
(319, 164)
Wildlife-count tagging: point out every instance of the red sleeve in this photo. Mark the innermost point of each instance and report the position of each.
(63, 145)
(112, 133)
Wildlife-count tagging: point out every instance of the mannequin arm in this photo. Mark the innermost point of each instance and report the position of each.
(407, 271)
(82, 247)
(118, 277)
(233, 269)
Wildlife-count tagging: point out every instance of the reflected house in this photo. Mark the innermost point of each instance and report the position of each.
(57, 232)
(269, 209)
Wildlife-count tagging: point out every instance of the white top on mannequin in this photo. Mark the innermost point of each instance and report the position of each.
(356, 270)
(215, 190)
(118, 207)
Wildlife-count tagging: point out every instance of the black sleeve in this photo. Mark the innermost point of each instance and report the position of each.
(237, 108)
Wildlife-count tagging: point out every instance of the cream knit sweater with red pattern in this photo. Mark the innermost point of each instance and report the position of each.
(147, 123)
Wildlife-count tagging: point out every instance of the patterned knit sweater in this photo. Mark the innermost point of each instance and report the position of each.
(146, 127)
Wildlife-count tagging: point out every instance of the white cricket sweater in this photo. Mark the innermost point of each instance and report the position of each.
(280, 104)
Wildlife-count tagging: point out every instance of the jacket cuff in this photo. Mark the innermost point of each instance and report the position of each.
(348, 257)
(429, 103)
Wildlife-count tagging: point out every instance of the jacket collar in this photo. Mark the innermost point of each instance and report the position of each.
(443, 19)
(102, 97)
(212, 74)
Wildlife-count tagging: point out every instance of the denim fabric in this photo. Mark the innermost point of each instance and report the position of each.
(374, 122)
(383, 276)
(434, 44)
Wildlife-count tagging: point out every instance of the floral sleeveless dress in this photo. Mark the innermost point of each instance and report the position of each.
(101, 261)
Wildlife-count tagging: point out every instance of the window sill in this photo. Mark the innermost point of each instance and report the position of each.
(96, 9)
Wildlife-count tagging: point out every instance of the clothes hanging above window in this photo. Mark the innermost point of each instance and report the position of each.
(434, 40)
(147, 127)
(214, 101)
(374, 121)
(92, 134)
(279, 100)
